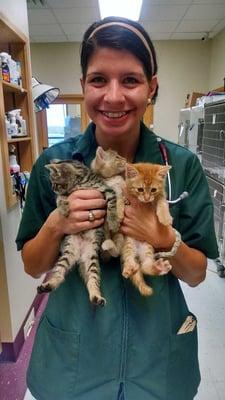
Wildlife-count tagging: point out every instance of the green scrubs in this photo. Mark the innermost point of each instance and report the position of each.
(130, 346)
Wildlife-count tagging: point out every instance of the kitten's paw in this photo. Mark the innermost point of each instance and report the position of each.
(44, 288)
(162, 266)
(145, 290)
(110, 247)
(98, 300)
(129, 270)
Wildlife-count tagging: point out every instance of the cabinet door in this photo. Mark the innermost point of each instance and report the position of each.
(64, 118)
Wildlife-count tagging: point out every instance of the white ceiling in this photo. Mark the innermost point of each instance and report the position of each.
(66, 20)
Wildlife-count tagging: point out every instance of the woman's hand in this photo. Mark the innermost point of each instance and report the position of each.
(40, 253)
(141, 223)
(80, 203)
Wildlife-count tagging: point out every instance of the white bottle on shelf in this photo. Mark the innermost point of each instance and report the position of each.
(20, 122)
(13, 70)
(14, 166)
(7, 127)
(14, 131)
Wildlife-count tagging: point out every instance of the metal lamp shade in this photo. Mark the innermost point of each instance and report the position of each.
(43, 95)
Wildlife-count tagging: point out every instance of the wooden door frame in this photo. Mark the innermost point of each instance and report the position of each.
(41, 118)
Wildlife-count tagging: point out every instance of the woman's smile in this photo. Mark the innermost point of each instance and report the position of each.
(114, 115)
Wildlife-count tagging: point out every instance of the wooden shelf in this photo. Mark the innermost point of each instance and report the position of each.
(12, 88)
(20, 139)
(13, 97)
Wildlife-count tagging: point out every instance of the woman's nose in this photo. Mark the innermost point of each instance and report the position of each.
(114, 93)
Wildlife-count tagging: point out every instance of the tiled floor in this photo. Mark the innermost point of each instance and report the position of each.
(207, 301)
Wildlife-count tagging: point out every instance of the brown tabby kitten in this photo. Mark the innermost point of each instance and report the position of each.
(110, 165)
(145, 182)
(81, 248)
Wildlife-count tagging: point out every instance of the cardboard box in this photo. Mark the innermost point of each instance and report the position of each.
(191, 99)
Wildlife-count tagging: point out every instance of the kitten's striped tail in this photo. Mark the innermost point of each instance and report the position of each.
(112, 217)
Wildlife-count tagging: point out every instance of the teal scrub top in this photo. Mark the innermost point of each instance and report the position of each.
(82, 352)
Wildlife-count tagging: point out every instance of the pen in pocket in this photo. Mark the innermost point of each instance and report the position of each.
(188, 325)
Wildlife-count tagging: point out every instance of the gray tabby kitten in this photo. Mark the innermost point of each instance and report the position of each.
(83, 247)
(111, 166)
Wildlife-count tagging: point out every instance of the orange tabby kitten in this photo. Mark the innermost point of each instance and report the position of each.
(145, 182)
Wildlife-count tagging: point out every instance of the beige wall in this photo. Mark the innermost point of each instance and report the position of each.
(57, 64)
(217, 64)
(17, 290)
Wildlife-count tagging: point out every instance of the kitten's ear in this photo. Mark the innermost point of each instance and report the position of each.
(51, 167)
(100, 152)
(130, 171)
(164, 170)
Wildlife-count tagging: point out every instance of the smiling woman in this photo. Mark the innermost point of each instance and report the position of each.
(130, 349)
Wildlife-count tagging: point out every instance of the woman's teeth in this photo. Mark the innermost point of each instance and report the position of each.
(114, 114)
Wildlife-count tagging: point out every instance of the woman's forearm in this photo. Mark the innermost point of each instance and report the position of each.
(40, 253)
(189, 265)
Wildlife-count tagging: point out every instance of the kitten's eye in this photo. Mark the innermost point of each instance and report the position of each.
(140, 190)
(153, 190)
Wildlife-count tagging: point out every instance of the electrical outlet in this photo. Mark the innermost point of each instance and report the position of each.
(29, 324)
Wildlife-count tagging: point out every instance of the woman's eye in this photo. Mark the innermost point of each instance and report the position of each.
(97, 80)
(130, 80)
(140, 190)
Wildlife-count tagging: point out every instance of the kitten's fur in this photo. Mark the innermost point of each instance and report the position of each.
(81, 248)
(111, 166)
(145, 182)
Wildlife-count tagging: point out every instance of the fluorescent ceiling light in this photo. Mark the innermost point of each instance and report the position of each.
(120, 8)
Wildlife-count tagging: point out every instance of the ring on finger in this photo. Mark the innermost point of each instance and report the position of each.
(91, 216)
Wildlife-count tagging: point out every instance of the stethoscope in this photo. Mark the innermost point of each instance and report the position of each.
(163, 151)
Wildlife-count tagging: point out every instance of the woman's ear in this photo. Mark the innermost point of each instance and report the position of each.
(153, 86)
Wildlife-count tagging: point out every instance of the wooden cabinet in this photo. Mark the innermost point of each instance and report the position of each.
(14, 96)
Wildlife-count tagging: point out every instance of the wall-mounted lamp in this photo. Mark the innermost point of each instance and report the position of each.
(43, 95)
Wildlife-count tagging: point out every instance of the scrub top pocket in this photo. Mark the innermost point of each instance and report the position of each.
(54, 356)
(183, 374)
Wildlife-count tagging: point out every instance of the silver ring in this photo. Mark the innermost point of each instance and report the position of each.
(91, 216)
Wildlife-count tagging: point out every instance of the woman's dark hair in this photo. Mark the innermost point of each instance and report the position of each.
(121, 38)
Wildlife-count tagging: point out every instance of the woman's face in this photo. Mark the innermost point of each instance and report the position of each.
(116, 92)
